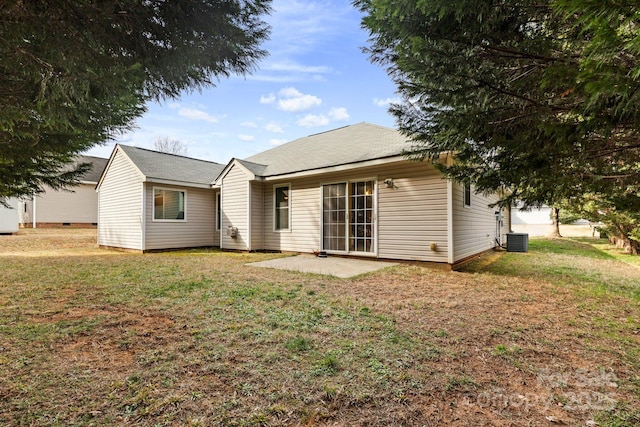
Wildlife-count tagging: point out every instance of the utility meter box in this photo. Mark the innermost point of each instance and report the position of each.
(232, 231)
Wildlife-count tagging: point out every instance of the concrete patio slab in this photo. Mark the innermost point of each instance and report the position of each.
(332, 266)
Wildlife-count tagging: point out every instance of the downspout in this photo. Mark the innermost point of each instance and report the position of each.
(33, 220)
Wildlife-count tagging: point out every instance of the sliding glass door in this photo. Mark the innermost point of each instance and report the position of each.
(348, 217)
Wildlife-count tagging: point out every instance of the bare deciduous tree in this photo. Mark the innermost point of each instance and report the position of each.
(171, 146)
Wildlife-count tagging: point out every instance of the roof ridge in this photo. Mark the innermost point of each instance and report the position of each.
(331, 130)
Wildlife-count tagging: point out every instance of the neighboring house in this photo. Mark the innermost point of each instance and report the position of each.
(349, 191)
(533, 216)
(537, 222)
(150, 200)
(9, 216)
(76, 207)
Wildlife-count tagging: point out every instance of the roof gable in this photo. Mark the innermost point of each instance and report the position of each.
(346, 145)
(157, 166)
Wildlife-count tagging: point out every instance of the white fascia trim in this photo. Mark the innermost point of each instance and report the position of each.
(338, 168)
(227, 169)
(177, 183)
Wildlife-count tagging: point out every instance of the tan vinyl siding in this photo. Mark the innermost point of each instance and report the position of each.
(410, 216)
(120, 205)
(235, 194)
(257, 216)
(474, 227)
(53, 206)
(196, 231)
(304, 230)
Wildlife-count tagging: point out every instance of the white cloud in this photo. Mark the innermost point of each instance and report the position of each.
(193, 114)
(269, 99)
(288, 65)
(249, 125)
(294, 101)
(385, 102)
(272, 127)
(289, 92)
(339, 114)
(246, 137)
(277, 141)
(312, 120)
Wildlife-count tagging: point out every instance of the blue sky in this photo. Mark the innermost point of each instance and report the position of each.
(315, 78)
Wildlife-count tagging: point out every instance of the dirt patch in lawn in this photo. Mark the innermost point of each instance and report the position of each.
(113, 338)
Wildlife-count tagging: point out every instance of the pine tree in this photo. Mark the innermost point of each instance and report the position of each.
(541, 97)
(538, 96)
(74, 73)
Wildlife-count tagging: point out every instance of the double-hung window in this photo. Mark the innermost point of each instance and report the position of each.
(282, 207)
(169, 205)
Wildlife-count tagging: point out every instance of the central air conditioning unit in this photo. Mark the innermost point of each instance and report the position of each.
(517, 242)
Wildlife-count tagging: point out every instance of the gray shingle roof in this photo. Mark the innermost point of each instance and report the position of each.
(97, 166)
(349, 144)
(154, 164)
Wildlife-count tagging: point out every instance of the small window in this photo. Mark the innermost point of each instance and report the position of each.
(218, 211)
(168, 205)
(281, 208)
(467, 194)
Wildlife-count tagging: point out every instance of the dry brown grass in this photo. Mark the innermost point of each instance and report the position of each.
(90, 337)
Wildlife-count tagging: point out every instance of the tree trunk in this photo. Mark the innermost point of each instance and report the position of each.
(555, 218)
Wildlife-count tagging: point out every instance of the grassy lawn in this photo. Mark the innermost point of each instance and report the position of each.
(96, 337)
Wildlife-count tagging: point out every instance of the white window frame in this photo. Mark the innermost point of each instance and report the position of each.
(376, 194)
(153, 204)
(466, 193)
(275, 228)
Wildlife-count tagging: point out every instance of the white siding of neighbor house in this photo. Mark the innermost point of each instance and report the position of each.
(78, 206)
(534, 216)
(411, 215)
(235, 205)
(474, 227)
(120, 219)
(196, 231)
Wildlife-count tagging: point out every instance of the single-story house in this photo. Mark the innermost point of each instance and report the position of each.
(349, 191)
(149, 200)
(75, 208)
